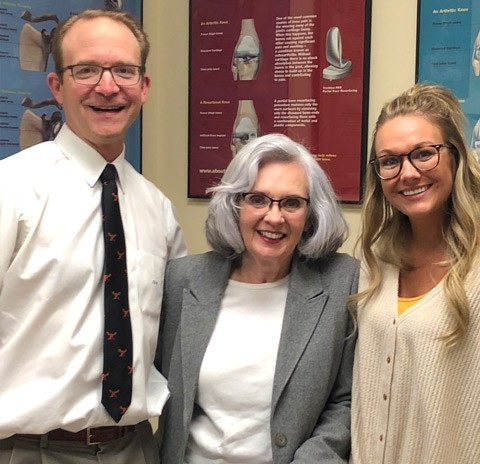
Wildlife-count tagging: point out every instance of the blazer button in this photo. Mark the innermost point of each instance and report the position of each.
(280, 439)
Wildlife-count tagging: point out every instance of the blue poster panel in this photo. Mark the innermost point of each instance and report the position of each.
(448, 43)
(28, 112)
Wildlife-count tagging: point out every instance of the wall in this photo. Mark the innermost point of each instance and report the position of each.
(165, 116)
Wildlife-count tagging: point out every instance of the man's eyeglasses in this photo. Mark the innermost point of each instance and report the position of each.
(91, 74)
(423, 158)
(262, 202)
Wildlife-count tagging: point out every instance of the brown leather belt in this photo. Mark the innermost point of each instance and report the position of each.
(90, 436)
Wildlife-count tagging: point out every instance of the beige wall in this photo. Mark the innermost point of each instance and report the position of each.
(165, 117)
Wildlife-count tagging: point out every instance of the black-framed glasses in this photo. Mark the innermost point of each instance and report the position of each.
(261, 202)
(423, 158)
(91, 74)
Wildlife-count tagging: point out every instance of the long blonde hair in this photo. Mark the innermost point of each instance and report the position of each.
(385, 231)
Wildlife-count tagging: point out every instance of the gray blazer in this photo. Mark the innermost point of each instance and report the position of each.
(310, 418)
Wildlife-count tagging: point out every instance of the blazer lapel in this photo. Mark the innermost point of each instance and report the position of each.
(305, 304)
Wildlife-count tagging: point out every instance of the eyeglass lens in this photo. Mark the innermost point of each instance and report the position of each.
(262, 201)
(423, 158)
(91, 74)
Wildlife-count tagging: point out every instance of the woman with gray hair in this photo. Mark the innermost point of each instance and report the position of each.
(256, 336)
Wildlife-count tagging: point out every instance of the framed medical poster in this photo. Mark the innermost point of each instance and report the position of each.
(448, 53)
(297, 67)
(28, 112)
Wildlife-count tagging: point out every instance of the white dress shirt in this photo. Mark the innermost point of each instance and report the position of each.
(51, 291)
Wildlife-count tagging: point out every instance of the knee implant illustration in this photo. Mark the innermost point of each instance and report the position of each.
(246, 59)
(338, 66)
(245, 127)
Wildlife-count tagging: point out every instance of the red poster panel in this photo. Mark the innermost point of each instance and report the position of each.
(299, 67)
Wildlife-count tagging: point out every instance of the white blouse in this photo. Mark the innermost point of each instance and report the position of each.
(236, 378)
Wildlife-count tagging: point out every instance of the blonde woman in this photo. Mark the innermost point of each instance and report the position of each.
(416, 377)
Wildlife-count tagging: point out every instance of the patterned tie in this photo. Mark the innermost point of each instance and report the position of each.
(117, 345)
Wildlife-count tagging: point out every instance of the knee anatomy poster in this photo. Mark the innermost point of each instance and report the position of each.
(297, 67)
(28, 112)
(448, 43)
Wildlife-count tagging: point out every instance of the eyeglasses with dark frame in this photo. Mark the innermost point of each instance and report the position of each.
(91, 74)
(260, 201)
(424, 158)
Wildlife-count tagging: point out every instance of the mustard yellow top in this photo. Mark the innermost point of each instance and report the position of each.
(405, 303)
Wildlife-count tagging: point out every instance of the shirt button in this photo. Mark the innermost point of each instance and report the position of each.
(381, 437)
(385, 397)
(394, 322)
(388, 359)
(280, 439)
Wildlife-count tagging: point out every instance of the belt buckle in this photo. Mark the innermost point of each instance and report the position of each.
(89, 435)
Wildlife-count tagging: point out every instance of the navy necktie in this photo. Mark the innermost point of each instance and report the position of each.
(117, 347)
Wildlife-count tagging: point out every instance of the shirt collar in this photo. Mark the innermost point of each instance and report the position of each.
(88, 160)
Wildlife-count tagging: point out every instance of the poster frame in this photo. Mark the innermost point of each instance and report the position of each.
(204, 8)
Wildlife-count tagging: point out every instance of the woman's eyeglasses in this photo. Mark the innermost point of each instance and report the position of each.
(423, 158)
(262, 202)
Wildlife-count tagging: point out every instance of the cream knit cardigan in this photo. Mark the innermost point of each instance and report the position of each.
(415, 402)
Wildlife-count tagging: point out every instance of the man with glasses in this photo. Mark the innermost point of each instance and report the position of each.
(53, 274)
